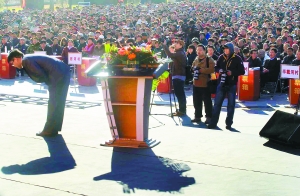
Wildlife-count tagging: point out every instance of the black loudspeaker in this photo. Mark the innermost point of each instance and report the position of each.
(283, 128)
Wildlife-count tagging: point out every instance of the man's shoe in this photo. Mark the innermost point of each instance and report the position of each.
(196, 120)
(207, 121)
(228, 127)
(178, 113)
(210, 126)
(47, 134)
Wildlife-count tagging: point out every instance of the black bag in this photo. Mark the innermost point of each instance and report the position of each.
(211, 84)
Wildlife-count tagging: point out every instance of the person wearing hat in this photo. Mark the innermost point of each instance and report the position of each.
(229, 66)
(56, 75)
(45, 47)
(178, 74)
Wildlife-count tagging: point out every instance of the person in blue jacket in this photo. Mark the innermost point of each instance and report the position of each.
(53, 72)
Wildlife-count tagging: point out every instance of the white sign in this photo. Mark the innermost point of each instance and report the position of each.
(289, 71)
(75, 58)
(40, 52)
(246, 67)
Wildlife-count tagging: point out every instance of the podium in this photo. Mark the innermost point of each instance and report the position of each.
(7, 71)
(82, 78)
(249, 86)
(126, 94)
(292, 72)
(294, 91)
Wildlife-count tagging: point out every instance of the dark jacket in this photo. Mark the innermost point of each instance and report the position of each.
(179, 61)
(80, 46)
(255, 63)
(232, 63)
(57, 49)
(296, 62)
(8, 47)
(191, 58)
(288, 59)
(22, 48)
(15, 41)
(274, 68)
(44, 68)
(48, 50)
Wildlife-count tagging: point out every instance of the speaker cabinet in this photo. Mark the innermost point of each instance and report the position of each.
(283, 128)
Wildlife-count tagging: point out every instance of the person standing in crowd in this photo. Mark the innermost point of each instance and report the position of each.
(22, 46)
(201, 92)
(178, 74)
(56, 75)
(211, 52)
(191, 55)
(66, 50)
(229, 66)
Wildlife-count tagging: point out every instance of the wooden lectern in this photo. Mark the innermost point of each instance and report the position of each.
(126, 97)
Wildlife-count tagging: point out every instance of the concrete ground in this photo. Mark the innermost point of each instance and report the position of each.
(190, 160)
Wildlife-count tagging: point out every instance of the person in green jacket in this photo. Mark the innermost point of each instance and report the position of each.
(34, 46)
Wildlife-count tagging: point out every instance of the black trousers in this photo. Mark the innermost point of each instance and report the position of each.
(56, 105)
(200, 95)
(178, 86)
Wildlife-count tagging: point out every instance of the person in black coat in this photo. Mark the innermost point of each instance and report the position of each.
(288, 59)
(5, 45)
(271, 68)
(254, 60)
(56, 74)
(296, 61)
(191, 55)
(45, 47)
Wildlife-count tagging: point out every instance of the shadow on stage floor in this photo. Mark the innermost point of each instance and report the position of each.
(60, 160)
(142, 169)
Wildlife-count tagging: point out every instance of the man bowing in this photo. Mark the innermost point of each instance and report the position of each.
(56, 75)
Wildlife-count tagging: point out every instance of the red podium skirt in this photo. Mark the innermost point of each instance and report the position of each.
(6, 71)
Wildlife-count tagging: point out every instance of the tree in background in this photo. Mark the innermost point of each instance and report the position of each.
(51, 4)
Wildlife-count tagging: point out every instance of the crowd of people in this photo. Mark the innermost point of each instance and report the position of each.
(265, 34)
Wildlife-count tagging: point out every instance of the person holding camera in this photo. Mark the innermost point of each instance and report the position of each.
(178, 74)
(230, 66)
(203, 66)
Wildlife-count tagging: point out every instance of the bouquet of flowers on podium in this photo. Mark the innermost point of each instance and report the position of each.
(131, 55)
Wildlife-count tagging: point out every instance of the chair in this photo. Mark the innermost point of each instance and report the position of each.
(271, 87)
